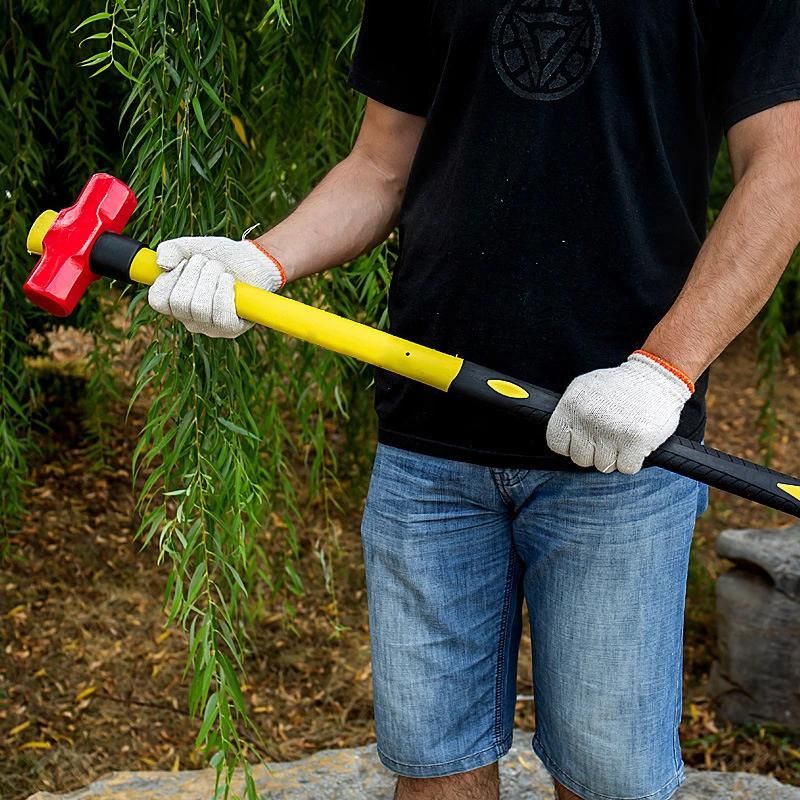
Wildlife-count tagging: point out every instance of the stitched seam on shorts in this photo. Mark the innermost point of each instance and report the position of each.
(442, 763)
(553, 766)
(514, 477)
(676, 744)
(501, 654)
(500, 484)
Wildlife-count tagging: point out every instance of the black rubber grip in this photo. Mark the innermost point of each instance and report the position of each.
(679, 455)
(729, 473)
(112, 256)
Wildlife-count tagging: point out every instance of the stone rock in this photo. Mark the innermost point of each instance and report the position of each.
(358, 775)
(734, 786)
(775, 552)
(757, 677)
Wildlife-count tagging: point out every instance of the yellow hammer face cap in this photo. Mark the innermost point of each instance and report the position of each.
(39, 228)
(794, 491)
(508, 389)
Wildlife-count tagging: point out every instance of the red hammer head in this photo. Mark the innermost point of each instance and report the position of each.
(62, 274)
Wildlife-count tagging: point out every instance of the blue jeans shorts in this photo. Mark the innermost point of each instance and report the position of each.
(452, 549)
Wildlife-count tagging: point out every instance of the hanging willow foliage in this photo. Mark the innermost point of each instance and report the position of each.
(22, 166)
(52, 128)
(228, 119)
(231, 115)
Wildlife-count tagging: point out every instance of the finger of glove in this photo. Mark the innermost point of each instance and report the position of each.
(193, 328)
(581, 450)
(180, 298)
(605, 457)
(227, 323)
(161, 289)
(631, 460)
(201, 307)
(559, 434)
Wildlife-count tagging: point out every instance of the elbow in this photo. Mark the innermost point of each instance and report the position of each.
(765, 156)
(777, 166)
(388, 180)
(772, 179)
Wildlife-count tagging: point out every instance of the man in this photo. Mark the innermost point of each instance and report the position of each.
(548, 163)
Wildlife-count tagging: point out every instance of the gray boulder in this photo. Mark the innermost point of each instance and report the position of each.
(757, 677)
(358, 775)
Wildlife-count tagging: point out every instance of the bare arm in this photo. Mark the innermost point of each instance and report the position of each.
(748, 248)
(355, 206)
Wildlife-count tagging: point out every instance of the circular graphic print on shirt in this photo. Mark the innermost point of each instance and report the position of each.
(545, 49)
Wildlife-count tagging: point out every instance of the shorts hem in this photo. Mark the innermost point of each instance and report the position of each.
(440, 770)
(664, 793)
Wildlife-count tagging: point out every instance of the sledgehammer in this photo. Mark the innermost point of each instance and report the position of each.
(84, 242)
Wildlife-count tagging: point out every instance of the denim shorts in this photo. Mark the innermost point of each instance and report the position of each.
(452, 549)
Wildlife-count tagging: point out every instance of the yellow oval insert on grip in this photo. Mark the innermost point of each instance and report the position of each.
(508, 389)
(794, 491)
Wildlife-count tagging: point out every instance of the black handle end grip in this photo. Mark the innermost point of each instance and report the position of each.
(679, 455)
(729, 473)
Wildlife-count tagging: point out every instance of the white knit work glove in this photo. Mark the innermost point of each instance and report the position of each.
(197, 286)
(613, 419)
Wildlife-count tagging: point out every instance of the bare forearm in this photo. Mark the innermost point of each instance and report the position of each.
(736, 271)
(356, 205)
(351, 210)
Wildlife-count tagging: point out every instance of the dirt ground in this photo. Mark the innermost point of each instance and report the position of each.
(91, 681)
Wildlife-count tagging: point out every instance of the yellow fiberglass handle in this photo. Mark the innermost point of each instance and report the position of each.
(327, 330)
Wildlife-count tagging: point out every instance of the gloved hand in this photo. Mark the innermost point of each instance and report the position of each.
(613, 419)
(197, 287)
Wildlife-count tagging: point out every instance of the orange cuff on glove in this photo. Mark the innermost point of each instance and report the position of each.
(669, 367)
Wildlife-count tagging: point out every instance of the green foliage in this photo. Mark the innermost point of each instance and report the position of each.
(20, 94)
(51, 136)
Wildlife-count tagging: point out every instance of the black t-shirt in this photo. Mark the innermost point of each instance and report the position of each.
(558, 198)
